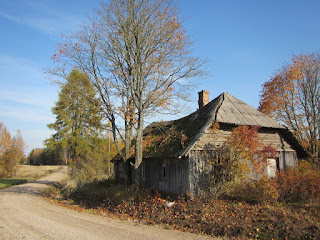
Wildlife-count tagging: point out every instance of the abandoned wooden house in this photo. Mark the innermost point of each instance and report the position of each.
(176, 153)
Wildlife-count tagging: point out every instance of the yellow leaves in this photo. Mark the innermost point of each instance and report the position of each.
(11, 150)
(5, 139)
(241, 154)
(291, 96)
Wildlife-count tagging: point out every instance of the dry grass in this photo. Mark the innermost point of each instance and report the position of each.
(30, 172)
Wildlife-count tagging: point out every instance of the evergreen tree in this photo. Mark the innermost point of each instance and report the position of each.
(78, 128)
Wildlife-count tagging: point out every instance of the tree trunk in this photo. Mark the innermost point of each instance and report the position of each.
(138, 149)
(128, 137)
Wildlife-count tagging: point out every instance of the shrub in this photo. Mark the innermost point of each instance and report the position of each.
(254, 192)
(298, 185)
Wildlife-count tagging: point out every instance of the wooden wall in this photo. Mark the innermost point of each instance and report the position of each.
(174, 175)
(217, 138)
(200, 170)
(168, 175)
(202, 151)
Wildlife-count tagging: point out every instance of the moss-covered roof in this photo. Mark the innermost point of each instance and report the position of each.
(176, 138)
(180, 134)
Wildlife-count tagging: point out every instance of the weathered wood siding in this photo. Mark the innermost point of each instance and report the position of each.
(217, 138)
(202, 151)
(168, 175)
(288, 159)
(200, 170)
(119, 171)
(174, 175)
(269, 137)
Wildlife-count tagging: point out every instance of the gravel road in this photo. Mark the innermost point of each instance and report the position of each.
(24, 214)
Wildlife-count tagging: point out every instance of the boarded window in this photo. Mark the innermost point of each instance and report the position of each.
(272, 167)
(163, 170)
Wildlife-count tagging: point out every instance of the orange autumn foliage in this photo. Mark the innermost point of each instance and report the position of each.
(244, 146)
(292, 97)
(242, 156)
(298, 184)
(11, 151)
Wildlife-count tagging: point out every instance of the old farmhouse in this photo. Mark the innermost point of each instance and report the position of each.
(176, 153)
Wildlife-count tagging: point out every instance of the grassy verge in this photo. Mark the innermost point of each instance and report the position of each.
(8, 182)
(215, 218)
(28, 173)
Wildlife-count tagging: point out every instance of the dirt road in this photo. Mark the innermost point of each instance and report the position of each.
(24, 214)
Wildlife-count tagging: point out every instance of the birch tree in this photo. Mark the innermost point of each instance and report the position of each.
(139, 58)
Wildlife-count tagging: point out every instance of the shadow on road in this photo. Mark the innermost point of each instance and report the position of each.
(34, 188)
(46, 182)
(29, 189)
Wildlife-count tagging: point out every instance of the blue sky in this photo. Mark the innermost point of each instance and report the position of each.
(246, 42)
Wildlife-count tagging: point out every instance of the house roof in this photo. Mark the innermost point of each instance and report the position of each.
(176, 138)
(235, 111)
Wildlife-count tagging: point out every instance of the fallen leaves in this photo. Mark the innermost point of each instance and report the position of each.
(202, 216)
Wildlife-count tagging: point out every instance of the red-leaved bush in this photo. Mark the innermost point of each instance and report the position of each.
(299, 184)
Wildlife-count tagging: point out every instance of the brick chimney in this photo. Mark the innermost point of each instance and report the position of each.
(203, 98)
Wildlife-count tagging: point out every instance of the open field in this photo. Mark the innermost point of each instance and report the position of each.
(28, 173)
(34, 172)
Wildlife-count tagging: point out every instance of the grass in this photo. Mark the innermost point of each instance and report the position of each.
(28, 173)
(216, 218)
(8, 182)
(31, 172)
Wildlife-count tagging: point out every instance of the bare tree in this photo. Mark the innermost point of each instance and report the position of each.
(139, 58)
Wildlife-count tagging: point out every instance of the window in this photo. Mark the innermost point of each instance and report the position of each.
(163, 170)
(272, 167)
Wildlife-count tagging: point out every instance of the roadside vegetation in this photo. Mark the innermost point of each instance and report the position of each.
(11, 152)
(8, 182)
(263, 210)
(28, 173)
